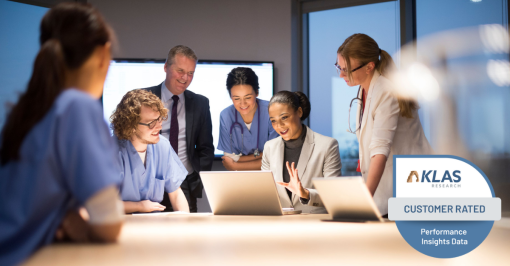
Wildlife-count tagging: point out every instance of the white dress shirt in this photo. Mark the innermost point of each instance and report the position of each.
(166, 98)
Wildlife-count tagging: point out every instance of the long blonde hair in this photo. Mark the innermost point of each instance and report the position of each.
(362, 47)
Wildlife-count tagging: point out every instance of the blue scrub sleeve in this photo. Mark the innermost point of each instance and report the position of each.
(224, 141)
(175, 172)
(87, 152)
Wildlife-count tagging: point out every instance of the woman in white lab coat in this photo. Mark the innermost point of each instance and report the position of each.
(386, 125)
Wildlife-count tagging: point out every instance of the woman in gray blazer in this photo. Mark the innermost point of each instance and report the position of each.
(299, 154)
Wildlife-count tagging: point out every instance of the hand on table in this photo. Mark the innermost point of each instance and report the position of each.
(150, 206)
(73, 227)
(295, 184)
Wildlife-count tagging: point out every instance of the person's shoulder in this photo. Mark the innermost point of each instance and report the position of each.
(196, 96)
(228, 110)
(263, 103)
(73, 99)
(384, 85)
(321, 139)
(152, 88)
(121, 143)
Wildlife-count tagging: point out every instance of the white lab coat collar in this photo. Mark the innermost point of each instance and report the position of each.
(367, 103)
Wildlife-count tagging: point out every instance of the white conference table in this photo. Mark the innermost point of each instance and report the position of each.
(205, 239)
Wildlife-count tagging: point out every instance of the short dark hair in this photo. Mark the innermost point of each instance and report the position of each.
(242, 76)
(294, 100)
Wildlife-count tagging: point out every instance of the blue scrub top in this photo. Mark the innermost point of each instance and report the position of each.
(227, 118)
(163, 171)
(64, 160)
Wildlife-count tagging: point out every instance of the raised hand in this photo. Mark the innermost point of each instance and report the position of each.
(295, 184)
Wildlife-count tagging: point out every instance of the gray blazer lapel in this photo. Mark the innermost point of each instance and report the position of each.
(189, 118)
(278, 160)
(306, 152)
(277, 167)
(304, 157)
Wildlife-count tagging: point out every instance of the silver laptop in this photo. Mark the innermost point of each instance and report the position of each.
(243, 193)
(347, 199)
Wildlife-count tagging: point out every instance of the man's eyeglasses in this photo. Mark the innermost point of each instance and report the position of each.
(152, 124)
(340, 70)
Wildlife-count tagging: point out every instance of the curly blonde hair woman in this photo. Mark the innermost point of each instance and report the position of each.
(126, 117)
(149, 165)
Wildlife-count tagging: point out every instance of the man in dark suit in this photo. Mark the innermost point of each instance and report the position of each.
(189, 127)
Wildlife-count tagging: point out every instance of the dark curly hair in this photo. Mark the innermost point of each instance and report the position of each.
(242, 76)
(294, 100)
(127, 115)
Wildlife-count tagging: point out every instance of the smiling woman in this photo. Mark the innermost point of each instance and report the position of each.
(243, 143)
(299, 154)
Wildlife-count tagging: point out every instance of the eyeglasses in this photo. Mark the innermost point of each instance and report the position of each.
(339, 69)
(152, 124)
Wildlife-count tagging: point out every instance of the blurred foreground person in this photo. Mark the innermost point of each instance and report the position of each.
(149, 165)
(56, 153)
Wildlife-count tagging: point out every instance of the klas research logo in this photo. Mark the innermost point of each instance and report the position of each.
(446, 222)
(446, 179)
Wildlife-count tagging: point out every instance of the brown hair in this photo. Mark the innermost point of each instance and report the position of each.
(182, 50)
(69, 34)
(365, 49)
(126, 117)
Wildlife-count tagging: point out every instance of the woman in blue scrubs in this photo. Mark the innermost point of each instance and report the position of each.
(245, 125)
(56, 153)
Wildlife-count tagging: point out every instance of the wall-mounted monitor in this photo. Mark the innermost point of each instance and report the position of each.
(209, 80)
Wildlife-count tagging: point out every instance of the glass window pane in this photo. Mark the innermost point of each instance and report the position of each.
(19, 31)
(482, 113)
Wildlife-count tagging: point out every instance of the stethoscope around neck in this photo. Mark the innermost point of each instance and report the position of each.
(256, 152)
(361, 113)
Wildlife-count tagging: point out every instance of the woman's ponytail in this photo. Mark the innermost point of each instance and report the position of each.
(386, 64)
(304, 103)
(46, 83)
